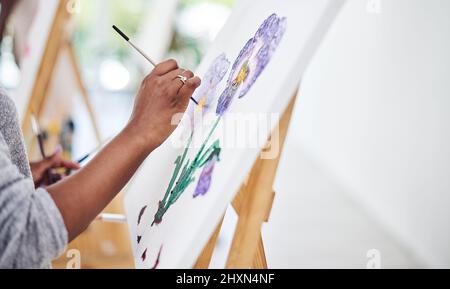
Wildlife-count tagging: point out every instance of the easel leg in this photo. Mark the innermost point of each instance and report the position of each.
(260, 261)
(82, 88)
(46, 68)
(253, 205)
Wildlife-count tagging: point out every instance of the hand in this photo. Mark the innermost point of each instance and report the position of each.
(43, 173)
(162, 97)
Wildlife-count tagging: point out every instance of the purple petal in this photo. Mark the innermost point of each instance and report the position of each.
(252, 60)
(206, 93)
(204, 182)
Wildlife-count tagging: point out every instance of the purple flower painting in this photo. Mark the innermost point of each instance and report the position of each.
(204, 182)
(252, 60)
(249, 65)
(206, 93)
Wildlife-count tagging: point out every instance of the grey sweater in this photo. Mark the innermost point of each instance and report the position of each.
(32, 231)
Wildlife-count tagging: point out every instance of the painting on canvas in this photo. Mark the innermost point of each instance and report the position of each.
(249, 75)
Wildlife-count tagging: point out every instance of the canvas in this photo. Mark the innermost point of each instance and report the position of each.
(252, 70)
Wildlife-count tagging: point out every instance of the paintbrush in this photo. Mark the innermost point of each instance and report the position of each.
(40, 137)
(127, 39)
(88, 155)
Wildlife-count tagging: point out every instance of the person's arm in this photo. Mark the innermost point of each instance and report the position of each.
(32, 230)
(81, 197)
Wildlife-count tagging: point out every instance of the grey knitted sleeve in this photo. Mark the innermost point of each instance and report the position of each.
(32, 231)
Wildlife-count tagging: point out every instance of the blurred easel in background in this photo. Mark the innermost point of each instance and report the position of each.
(58, 44)
(103, 245)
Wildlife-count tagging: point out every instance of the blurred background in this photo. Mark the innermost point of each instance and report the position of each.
(111, 71)
(365, 175)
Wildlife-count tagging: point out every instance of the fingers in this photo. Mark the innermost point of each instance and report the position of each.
(165, 67)
(69, 165)
(175, 82)
(48, 163)
(169, 72)
(57, 161)
(188, 89)
(173, 75)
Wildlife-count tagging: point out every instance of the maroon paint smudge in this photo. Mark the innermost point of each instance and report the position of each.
(144, 255)
(157, 259)
(157, 220)
(141, 213)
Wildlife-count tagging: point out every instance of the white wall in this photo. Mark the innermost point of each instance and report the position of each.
(374, 111)
(314, 222)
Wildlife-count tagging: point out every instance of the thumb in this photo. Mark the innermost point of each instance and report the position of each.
(52, 161)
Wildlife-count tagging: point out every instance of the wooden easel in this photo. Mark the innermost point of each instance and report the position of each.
(253, 204)
(58, 42)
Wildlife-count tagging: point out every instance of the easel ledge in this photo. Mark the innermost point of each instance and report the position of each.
(253, 205)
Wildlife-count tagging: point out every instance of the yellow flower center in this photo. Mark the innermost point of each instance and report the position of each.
(243, 73)
(201, 104)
